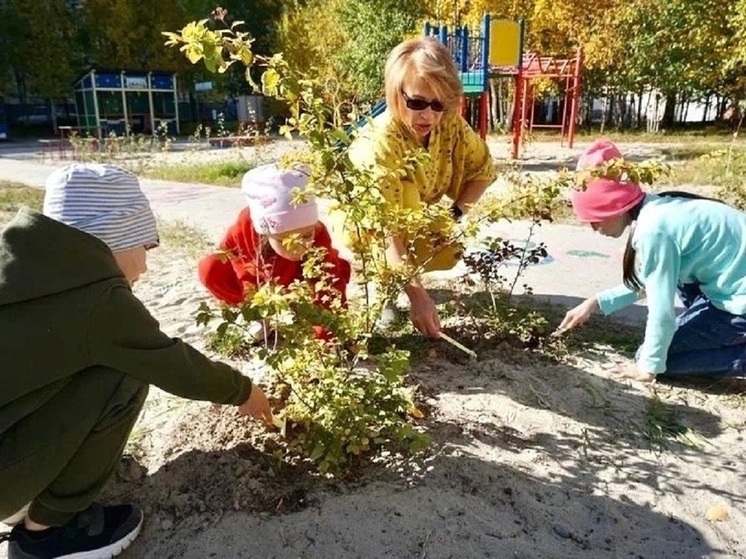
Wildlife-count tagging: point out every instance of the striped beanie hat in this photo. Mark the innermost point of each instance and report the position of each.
(102, 200)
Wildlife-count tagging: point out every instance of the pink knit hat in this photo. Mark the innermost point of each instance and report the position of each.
(603, 198)
(269, 191)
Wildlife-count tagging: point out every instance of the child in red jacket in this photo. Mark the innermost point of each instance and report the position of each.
(254, 244)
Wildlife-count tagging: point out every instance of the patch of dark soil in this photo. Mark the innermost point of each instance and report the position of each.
(213, 462)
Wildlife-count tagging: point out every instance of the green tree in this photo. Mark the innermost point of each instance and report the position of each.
(310, 38)
(678, 47)
(39, 57)
(125, 34)
(372, 28)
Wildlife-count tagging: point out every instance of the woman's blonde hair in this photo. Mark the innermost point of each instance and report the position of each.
(426, 59)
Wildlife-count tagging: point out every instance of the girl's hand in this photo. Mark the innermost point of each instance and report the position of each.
(578, 315)
(633, 373)
(257, 406)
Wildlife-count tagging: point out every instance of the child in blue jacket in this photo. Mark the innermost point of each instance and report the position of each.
(679, 244)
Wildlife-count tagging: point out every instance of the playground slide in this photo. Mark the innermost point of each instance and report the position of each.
(377, 109)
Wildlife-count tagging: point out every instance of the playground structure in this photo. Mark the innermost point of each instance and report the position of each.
(568, 73)
(497, 51)
(471, 54)
(123, 102)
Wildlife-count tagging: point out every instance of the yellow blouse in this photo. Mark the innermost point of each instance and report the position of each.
(457, 155)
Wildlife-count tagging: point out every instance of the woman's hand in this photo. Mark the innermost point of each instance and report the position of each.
(633, 373)
(422, 311)
(257, 406)
(579, 315)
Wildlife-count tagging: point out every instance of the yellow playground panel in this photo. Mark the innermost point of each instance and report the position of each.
(505, 44)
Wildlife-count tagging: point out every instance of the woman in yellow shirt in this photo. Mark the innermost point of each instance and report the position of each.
(423, 96)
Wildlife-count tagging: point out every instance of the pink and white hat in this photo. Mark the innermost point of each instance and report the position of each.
(269, 191)
(603, 198)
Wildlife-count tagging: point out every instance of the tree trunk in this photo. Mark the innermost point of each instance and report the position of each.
(719, 108)
(20, 87)
(707, 108)
(650, 120)
(683, 102)
(53, 108)
(640, 93)
(620, 106)
(737, 116)
(669, 116)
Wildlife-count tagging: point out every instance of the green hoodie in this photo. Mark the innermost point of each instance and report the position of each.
(65, 306)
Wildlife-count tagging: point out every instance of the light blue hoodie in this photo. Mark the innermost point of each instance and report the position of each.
(679, 241)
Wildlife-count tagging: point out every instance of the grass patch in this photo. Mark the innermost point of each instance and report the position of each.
(188, 238)
(722, 168)
(220, 173)
(712, 135)
(14, 195)
(691, 134)
(662, 427)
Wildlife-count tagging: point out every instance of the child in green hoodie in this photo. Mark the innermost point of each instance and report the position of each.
(78, 353)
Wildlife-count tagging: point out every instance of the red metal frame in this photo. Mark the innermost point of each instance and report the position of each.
(534, 67)
(467, 107)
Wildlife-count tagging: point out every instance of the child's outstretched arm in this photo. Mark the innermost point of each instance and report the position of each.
(227, 274)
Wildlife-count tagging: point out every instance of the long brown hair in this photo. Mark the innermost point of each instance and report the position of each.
(629, 274)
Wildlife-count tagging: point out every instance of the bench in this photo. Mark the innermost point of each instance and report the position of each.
(51, 146)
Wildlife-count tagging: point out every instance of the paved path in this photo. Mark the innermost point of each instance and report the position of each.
(580, 263)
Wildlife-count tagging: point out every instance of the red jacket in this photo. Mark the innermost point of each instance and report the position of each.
(229, 276)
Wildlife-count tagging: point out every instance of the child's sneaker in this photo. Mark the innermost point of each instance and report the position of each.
(96, 533)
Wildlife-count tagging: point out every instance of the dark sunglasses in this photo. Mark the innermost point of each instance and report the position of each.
(421, 104)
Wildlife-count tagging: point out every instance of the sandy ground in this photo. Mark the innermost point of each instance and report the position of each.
(531, 457)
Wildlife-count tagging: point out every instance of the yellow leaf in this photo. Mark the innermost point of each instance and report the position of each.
(270, 81)
(416, 412)
(173, 38)
(717, 513)
(247, 57)
(194, 53)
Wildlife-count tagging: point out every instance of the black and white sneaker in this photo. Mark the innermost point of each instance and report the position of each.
(96, 533)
